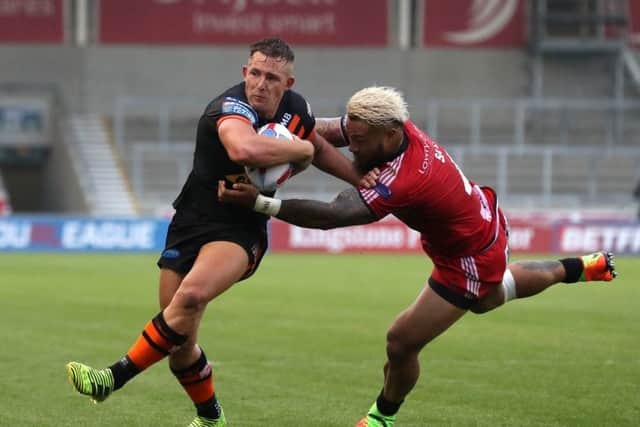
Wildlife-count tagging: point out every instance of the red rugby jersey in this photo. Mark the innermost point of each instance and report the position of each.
(424, 188)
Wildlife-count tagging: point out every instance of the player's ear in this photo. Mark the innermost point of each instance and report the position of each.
(290, 81)
(391, 131)
(244, 71)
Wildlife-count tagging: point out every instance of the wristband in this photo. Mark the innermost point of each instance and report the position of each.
(343, 130)
(267, 205)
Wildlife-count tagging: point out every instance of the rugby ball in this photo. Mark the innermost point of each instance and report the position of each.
(269, 179)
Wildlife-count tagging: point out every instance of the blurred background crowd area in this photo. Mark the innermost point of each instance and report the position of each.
(99, 100)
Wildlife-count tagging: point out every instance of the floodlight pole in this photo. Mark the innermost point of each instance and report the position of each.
(404, 24)
(82, 22)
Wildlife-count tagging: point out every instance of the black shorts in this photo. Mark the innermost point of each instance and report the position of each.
(184, 241)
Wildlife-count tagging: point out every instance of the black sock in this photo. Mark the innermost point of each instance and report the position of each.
(209, 408)
(573, 268)
(123, 370)
(385, 407)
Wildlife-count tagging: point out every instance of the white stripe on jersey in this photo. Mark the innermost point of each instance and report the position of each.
(386, 177)
(471, 271)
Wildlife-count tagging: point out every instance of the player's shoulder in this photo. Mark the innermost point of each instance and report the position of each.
(392, 186)
(295, 103)
(233, 101)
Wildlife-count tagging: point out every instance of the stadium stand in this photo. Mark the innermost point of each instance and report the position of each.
(103, 177)
(550, 119)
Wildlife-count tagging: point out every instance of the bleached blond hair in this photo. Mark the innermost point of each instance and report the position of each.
(378, 106)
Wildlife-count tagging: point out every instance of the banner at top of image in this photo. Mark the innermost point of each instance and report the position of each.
(29, 21)
(299, 22)
(469, 23)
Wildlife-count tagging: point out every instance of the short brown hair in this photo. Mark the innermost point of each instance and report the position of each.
(273, 48)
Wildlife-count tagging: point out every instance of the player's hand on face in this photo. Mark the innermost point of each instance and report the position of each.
(240, 194)
(370, 178)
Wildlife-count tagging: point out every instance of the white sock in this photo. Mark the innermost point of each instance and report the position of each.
(509, 286)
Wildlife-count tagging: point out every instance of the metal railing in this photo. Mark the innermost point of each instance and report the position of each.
(528, 121)
(596, 141)
(526, 176)
(475, 121)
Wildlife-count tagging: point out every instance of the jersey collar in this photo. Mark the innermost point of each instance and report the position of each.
(400, 150)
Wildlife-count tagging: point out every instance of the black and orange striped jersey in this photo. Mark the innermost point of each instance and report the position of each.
(211, 162)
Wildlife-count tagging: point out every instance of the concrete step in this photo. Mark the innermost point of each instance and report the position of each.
(109, 191)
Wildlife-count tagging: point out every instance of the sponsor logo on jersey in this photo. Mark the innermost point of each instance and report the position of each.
(426, 160)
(383, 190)
(286, 118)
(171, 253)
(235, 106)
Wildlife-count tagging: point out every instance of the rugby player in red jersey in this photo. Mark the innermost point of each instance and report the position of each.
(463, 231)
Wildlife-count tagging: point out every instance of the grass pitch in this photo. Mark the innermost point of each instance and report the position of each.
(302, 344)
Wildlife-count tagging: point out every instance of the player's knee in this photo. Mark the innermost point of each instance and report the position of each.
(398, 347)
(190, 298)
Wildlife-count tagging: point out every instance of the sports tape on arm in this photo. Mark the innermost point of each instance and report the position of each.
(267, 205)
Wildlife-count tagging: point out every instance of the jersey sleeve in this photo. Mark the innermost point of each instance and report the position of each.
(303, 122)
(385, 197)
(228, 107)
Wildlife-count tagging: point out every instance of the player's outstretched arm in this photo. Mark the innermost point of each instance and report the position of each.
(346, 209)
(329, 159)
(331, 130)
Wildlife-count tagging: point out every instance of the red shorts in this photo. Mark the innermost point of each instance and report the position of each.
(463, 281)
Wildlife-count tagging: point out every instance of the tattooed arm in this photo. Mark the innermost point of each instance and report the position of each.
(346, 209)
(331, 129)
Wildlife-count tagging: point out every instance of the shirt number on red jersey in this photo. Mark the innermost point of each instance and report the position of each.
(467, 185)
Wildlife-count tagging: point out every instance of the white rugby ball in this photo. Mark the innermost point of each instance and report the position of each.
(269, 179)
